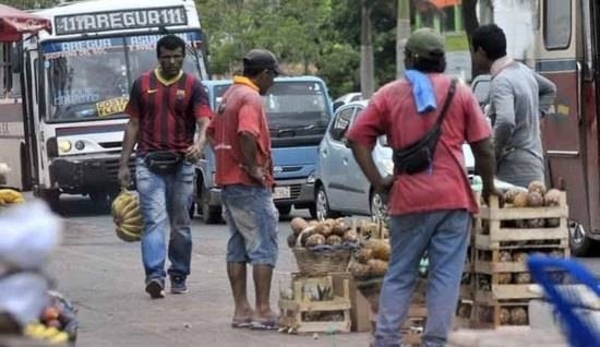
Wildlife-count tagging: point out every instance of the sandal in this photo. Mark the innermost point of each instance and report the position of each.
(270, 324)
(237, 323)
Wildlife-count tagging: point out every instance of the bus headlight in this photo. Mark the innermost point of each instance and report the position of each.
(311, 178)
(64, 146)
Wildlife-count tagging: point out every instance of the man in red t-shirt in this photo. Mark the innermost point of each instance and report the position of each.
(165, 107)
(430, 211)
(240, 137)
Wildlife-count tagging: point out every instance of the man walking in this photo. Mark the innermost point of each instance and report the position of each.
(430, 204)
(165, 107)
(518, 99)
(239, 134)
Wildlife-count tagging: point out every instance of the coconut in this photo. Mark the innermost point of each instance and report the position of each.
(538, 187)
(334, 240)
(291, 240)
(522, 278)
(378, 267)
(535, 199)
(552, 197)
(504, 316)
(350, 236)
(520, 200)
(518, 316)
(364, 255)
(315, 240)
(509, 195)
(298, 224)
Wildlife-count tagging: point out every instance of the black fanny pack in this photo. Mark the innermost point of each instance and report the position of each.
(163, 163)
(418, 156)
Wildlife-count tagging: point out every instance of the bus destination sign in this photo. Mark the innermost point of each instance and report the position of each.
(119, 20)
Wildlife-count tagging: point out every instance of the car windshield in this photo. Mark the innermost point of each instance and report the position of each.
(297, 107)
(91, 79)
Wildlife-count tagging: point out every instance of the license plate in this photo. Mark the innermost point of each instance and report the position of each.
(281, 193)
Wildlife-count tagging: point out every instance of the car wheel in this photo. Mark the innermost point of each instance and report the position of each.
(210, 214)
(322, 205)
(313, 211)
(284, 210)
(581, 245)
(378, 208)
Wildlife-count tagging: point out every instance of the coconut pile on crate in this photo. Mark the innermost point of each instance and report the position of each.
(536, 195)
(322, 247)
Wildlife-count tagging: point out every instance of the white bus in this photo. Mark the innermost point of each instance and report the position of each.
(62, 133)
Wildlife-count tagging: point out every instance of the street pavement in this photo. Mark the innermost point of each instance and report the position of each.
(103, 277)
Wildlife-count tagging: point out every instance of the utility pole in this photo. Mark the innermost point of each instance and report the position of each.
(402, 34)
(367, 64)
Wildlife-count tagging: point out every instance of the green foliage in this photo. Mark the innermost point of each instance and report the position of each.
(319, 37)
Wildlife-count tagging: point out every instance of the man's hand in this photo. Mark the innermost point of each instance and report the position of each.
(124, 176)
(257, 173)
(193, 152)
(487, 192)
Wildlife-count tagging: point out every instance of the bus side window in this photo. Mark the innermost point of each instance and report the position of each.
(6, 89)
(557, 24)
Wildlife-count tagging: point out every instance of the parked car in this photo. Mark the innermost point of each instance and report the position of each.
(340, 186)
(346, 98)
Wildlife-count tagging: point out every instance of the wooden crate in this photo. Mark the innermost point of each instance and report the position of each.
(488, 315)
(301, 314)
(491, 231)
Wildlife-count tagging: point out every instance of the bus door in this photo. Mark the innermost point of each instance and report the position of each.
(29, 152)
(565, 133)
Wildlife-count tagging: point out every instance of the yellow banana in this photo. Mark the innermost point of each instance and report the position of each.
(10, 195)
(61, 337)
(133, 219)
(126, 236)
(133, 229)
(131, 205)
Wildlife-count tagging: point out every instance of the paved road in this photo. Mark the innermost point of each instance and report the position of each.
(104, 278)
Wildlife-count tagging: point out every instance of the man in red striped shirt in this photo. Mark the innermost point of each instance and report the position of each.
(165, 107)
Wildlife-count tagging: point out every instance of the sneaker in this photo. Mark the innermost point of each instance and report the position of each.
(156, 289)
(178, 285)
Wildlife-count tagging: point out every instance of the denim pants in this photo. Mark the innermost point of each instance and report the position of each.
(164, 202)
(252, 218)
(445, 236)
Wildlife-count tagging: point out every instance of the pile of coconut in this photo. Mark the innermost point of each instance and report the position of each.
(535, 196)
(330, 233)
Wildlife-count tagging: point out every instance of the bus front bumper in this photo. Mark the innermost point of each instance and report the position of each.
(86, 173)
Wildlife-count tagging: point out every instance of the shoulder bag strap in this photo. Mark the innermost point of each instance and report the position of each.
(449, 97)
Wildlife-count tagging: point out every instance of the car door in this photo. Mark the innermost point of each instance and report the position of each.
(333, 155)
(356, 185)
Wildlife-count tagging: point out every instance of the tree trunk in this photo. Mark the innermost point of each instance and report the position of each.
(469, 12)
(367, 66)
(402, 33)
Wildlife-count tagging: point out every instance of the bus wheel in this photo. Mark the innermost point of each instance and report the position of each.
(51, 197)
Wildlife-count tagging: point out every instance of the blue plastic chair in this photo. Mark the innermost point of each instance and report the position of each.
(579, 330)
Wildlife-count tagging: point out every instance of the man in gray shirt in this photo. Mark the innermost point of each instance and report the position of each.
(519, 97)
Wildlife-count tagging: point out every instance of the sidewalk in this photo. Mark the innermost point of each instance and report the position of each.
(104, 278)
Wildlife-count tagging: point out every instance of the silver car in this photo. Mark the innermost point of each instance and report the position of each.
(340, 186)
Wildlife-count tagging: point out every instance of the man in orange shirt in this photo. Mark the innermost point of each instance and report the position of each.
(240, 137)
(430, 209)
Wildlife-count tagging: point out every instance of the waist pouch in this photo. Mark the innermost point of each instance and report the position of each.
(163, 163)
(418, 156)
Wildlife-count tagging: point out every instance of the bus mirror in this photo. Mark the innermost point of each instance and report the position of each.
(16, 59)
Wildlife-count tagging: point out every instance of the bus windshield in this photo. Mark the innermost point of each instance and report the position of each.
(90, 79)
(297, 108)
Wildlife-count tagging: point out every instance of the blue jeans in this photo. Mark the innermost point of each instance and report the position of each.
(252, 218)
(445, 235)
(164, 202)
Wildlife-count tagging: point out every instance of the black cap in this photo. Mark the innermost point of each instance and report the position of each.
(262, 59)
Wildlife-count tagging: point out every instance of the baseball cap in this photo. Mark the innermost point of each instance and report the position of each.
(426, 43)
(262, 59)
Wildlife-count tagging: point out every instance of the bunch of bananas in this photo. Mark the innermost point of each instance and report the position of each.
(39, 331)
(127, 217)
(10, 196)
